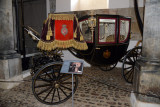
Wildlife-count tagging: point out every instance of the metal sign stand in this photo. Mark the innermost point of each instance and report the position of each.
(72, 91)
(65, 69)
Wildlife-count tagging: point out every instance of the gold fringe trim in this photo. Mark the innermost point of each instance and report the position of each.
(61, 16)
(48, 46)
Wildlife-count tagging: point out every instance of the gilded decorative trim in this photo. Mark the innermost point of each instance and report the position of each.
(48, 46)
(62, 16)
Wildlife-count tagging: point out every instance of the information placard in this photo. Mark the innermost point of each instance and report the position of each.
(72, 67)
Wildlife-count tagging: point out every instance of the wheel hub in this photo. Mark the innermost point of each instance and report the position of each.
(57, 85)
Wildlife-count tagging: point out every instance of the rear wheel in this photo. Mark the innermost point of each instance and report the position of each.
(108, 67)
(129, 63)
(51, 87)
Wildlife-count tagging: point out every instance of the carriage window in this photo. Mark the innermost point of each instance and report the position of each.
(87, 34)
(124, 30)
(107, 30)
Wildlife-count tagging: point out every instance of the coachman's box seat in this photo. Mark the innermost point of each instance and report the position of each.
(61, 31)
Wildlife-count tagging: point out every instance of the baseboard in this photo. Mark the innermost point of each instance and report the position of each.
(14, 81)
(136, 103)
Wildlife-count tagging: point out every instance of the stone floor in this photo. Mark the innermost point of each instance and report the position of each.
(96, 88)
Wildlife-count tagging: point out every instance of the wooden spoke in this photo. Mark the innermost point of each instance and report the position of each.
(48, 94)
(44, 85)
(68, 83)
(53, 95)
(41, 92)
(66, 88)
(53, 74)
(66, 78)
(128, 72)
(43, 79)
(58, 95)
(129, 58)
(108, 67)
(63, 92)
(49, 76)
(128, 68)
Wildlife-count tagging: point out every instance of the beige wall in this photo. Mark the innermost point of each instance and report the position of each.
(74, 5)
(113, 4)
(78, 5)
(63, 5)
(140, 3)
(93, 4)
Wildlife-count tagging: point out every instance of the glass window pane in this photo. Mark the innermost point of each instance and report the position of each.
(87, 34)
(107, 30)
(124, 30)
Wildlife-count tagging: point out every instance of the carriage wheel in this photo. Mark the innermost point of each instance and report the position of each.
(108, 67)
(51, 87)
(129, 63)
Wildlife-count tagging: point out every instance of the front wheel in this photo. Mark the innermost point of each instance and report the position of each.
(51, 87)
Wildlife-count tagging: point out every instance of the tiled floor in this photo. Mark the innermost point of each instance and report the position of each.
(96, 88)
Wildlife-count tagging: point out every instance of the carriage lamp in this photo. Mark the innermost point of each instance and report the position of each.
(92, 22)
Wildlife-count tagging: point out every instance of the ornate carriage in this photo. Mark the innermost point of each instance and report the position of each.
(101, 40)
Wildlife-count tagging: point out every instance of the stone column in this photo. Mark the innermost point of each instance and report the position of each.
(50, 6)
(147, 69)
(10, 61)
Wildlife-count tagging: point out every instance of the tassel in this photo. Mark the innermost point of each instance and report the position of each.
(48, 37)
(75, 35)
(49, 32)
(81, 38)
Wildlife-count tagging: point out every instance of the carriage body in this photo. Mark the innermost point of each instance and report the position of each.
(110, 39)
